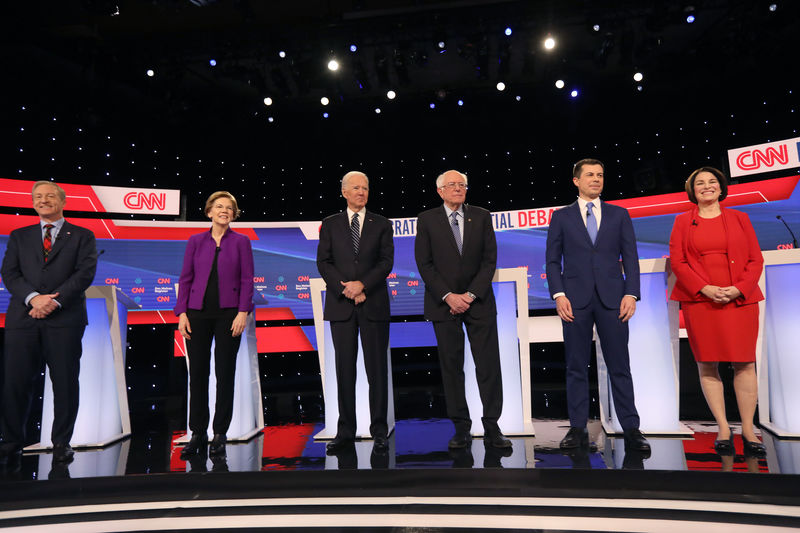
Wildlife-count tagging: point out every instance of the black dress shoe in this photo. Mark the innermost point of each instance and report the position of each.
(380, 444)
(10, 454)
(754, 448)
(196, 444)
(460, 440)
(63, 453)
(217, 445)
(575, 438)
(634, 440)
(339, 444)
(725, 446)
(496, 440)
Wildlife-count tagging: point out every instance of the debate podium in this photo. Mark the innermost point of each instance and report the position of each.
(511, 292)
(103, 415)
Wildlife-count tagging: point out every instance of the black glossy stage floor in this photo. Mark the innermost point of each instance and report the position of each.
(282, 480)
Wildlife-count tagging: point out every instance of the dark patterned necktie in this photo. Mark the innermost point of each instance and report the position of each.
(456, 230)
(47, 243)
(355, 233)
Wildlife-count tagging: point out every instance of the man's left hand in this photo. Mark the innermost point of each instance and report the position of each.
(627, 307)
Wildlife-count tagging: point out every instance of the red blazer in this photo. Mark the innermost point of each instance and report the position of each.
(744, 253)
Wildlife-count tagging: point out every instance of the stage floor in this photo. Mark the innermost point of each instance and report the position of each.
(284, 480)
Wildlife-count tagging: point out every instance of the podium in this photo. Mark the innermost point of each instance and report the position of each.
(654, 350)
(248, 413)
(103, 415)
(777, 352)
(510, 288)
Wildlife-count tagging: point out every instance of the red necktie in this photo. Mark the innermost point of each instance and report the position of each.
(47, 243)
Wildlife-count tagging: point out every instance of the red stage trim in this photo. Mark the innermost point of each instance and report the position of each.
(285, 441)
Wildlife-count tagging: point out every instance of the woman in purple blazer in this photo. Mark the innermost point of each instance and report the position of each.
(215, 294)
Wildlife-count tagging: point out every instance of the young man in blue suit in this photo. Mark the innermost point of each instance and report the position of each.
(47, 268)
(354, 256)
(585, 243)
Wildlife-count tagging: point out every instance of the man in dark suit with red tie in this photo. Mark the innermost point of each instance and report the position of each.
(354, 256)
(46, 268)
(456, 254)
(585, 242)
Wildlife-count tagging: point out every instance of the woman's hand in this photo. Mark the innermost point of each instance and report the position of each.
(184, 327)
(239, 323)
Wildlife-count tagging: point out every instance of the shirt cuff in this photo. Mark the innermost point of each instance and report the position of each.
(556, 295)
(30, 297)
(446, 295)
(632, 296)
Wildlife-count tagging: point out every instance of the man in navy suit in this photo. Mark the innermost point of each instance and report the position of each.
(456, 254)
(46, 268)
(585, 242)
(354, 256)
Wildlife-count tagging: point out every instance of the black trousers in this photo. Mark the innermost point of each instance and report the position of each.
(26, 351)
(375, 342)
(205, 328)
(482, 334)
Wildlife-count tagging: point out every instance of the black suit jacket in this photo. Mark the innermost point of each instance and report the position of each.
(443, 270)
(69, 271)
(337, 262)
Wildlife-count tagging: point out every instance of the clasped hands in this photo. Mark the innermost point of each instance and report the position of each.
(354, 290)
(42, 305)
(720, 295)
(459, 303)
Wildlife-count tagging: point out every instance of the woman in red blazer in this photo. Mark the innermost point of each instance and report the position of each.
(717, 261)
(215, 294)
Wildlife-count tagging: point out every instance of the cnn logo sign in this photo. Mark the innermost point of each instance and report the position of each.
(764, 157)
(142, 200)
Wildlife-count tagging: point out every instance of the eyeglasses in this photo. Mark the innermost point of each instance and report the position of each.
(455, 185)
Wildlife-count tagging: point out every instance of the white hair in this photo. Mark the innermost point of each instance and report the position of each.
(440, 178)
(351, 174)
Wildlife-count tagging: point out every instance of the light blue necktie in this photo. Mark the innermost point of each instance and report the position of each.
(591, 222)
(456, 231)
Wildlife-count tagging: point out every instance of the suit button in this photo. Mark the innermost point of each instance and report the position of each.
(356, 261)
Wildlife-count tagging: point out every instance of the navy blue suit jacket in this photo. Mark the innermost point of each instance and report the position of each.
(69, 271)
(576, 267)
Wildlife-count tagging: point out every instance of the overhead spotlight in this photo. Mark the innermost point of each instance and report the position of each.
(353, 48)
(441, 45)
(267, 101)
(501, 86)
(150, 73)
(270, 119)
(460, 103)
(324, 100)
(690, 18)
(518, 98)
(333, 65)
(639, 88)
(559, 84)
(325, 115)
(212, 62)
(638, 76)
(508, 32)
(574, 93)
(391, 95)
(773, 7)
(432, 105)
(281, 54)
(689, 10)
(377, 110)
(596, 27)
(549, 43)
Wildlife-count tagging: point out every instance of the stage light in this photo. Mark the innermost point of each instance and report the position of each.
(508, 31)
(333, 65)
(353, 48)
(574, 93)
(432, 105)
(518, 98)
(324, 100)
(281, 54)
(391, 95)
(441, 45)
(639, 88)
(773, 7)
(212, 62)
(325, 115)
(501, 86)
(690, 19)
(638, 76)
(267, 101)
(549, 43)
(378, 110)
(460, 103)
(559, 84)
(150, 73)
(270, 119)
(596, 27)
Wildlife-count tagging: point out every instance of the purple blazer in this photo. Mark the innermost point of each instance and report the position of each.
(234, 267)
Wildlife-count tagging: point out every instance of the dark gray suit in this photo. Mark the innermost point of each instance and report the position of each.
(444, 270)
(55, 339)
